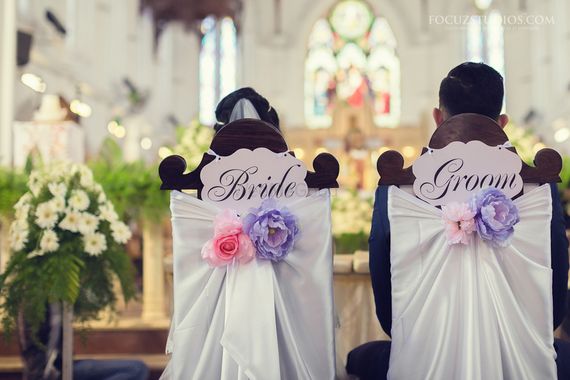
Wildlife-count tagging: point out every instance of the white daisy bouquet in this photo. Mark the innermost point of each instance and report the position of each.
(192, 142)
(68, 245)
(524, 140)
(351, 219)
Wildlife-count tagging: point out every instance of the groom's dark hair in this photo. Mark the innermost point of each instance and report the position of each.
(472, 88)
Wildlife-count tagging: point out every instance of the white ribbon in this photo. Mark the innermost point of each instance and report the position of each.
(250, 336)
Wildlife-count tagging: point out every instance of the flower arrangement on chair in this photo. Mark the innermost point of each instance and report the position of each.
(67, 247)
(491, 214)
(267, 232)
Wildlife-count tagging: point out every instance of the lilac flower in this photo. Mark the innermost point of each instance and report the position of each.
(272, 230)
(496, 216)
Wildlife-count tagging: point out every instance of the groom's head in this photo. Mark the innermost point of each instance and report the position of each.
(471, 88)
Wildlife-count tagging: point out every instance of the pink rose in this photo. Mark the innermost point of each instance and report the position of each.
(459, 222)
(227, 223)
(227, 246)
(229, 241)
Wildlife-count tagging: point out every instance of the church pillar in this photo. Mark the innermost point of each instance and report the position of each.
(185, 71)
(153, 272)
(7, 75)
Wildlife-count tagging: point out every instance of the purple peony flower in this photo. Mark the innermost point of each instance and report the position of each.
(496, 216)
(272, 230)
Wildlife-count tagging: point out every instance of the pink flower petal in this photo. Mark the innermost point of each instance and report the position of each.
(209, 254)
(227, 223)
(459, 222)
(246, 249)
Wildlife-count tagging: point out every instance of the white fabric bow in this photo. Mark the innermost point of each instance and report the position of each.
(475, 311)
(261, 320)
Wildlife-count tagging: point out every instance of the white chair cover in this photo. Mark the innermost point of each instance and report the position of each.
(261, 320)
(470, 312)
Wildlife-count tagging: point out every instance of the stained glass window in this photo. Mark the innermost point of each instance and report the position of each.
(485, 41)
(485, 38)
(352, 58)
(218, 55)
(495, 42)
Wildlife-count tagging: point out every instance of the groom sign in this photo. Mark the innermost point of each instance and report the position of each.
(452, 173)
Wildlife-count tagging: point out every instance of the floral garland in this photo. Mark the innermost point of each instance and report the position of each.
(490, 213)
(267, 232)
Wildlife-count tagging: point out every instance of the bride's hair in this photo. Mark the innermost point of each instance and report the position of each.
(262, 106)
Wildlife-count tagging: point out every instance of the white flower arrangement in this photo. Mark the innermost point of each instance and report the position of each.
(68, 246)
(192, 142)
(524, 140)
(64, 203)
(351, 212)
(351, 220)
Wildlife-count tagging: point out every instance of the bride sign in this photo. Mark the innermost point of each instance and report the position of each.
(250, 229)
(453, 173)
(248, 162)
(245, 178)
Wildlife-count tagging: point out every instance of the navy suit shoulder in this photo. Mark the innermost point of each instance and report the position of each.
(379, 249)
(559, 257)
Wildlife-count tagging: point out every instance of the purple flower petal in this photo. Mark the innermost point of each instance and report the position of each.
(496, 216)
(272, 230)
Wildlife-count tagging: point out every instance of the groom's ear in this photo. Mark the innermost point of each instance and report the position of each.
(503, 120)
(437, 116)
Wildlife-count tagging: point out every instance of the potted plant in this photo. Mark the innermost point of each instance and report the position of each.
(67, 246)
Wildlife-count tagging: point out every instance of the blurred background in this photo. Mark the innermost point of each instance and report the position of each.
(119, 85)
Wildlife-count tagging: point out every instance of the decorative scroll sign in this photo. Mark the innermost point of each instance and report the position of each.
(452, 173)
(246, 177)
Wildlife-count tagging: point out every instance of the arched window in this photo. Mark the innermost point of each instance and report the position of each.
(485, 40)
(218, 55)
(352, 58)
